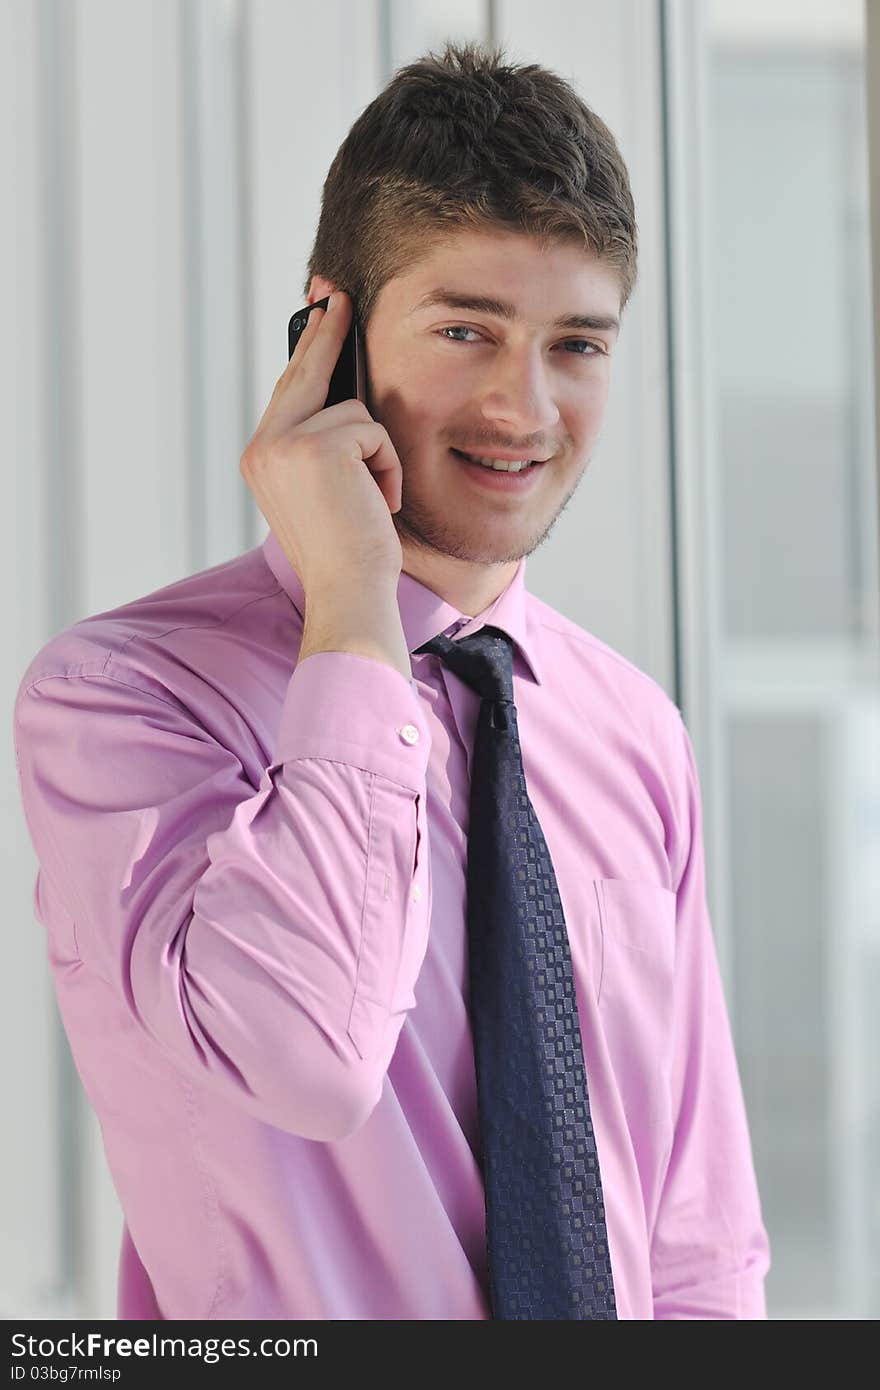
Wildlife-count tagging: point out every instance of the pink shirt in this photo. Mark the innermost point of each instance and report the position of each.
(252, 880)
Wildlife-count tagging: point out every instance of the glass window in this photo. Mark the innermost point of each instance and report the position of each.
(789, 502)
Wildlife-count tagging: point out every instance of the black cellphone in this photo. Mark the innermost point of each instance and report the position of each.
(349, 379)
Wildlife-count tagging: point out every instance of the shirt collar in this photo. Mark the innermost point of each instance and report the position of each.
(424, 614)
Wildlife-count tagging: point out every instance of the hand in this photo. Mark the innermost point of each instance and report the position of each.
(326, 480)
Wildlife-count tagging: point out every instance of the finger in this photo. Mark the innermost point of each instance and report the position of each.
(342, 413)
(306, 336)
(323, 349)
(373, 442)
(302, 388)
(295, 359)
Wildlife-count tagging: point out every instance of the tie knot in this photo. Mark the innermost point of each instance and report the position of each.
(484, 661)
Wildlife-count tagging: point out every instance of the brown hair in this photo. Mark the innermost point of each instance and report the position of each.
(466, 141)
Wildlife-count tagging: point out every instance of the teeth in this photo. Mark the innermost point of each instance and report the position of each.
(500, 465)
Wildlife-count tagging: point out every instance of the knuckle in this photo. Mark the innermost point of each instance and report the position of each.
(274, 456)
(302, 446)
(294, 451)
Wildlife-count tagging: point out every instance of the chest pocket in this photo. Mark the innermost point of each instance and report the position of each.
(633, 984)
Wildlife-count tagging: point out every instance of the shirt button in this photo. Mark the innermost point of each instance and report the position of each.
(410, 733)
(416, 893)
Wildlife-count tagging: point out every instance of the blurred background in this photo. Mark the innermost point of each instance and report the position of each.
(162, 165)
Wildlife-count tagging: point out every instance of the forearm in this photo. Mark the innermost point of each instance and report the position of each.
(265, 938)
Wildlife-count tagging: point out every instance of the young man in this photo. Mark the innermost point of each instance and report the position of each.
(250, 795)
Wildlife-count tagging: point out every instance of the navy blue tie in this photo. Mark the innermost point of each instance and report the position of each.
(545, 1219)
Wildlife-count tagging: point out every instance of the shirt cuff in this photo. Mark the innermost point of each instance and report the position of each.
(357, 710)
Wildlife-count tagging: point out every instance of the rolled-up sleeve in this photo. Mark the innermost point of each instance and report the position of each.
(260, 936)
(709, 1251)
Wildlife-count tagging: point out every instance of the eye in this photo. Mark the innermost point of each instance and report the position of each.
(584, 342)
(598, 350)
(456, 328)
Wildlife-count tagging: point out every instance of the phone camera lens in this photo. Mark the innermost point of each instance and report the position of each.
(297, 323)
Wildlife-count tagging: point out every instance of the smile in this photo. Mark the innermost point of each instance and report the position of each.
(498, 479)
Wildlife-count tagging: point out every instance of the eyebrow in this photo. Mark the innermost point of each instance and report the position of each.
(484, 304)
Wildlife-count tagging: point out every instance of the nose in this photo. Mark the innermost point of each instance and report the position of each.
(517, 396)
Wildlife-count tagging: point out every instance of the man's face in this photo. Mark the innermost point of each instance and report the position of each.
(446, 377)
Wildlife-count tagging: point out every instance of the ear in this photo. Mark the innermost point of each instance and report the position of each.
(320, 288)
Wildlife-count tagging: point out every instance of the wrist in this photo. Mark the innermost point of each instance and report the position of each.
(356, 613)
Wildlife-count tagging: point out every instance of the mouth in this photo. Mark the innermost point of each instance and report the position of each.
(498, 479)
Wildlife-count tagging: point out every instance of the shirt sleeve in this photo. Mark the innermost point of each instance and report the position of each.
(267, 939)
(710, 1251)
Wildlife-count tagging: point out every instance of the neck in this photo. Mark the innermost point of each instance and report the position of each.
(469, 587)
